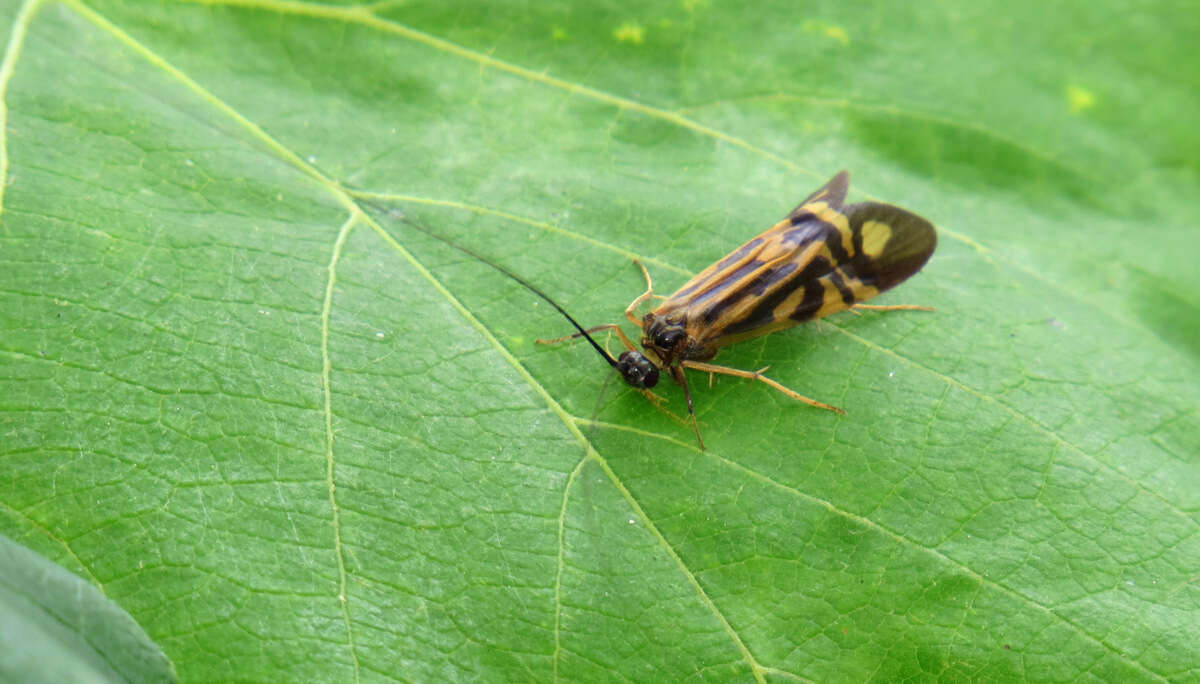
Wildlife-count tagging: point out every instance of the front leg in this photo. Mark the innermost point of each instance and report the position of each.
(608, 326)
(629, 310)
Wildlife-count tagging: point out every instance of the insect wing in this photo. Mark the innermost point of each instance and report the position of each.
(890, 245)
(817, 262)
(776, 245)
(710, 282)
(833, 194)
(787, 282)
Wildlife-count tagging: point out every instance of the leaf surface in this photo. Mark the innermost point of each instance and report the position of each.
(297, 441)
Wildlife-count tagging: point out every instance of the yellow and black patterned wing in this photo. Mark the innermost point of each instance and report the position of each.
(832, 194)
(823, 258)
(776, 245)
(888, 245)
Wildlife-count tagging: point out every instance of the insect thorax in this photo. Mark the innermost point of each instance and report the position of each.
(667, 338)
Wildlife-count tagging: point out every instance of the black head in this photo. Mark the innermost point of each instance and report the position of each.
(637, 370)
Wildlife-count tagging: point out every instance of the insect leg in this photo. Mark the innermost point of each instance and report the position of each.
(608, 326)
(757, 375)
(893, 307)
(641, 298)
(680, 378)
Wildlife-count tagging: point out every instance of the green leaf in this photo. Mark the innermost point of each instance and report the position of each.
(55, 627)
(298, 443)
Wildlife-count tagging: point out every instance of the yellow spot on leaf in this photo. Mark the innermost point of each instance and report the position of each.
(558, 33)
(838, 33)
(692, 5)
(1079, 99)
(630, 33)
(828, 30)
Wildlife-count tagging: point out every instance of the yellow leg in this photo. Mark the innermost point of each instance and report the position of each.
(758, 375)
(658, 402)
(608, 326)
(681, 379)
(641, 298)
(629, 313)
(893, 307)
(572, 336)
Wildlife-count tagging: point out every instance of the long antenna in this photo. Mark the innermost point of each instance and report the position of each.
(400, 216)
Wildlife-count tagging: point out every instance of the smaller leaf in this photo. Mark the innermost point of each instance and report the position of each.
(55, 627)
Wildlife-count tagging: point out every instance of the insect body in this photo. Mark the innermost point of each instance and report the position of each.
(824, 257)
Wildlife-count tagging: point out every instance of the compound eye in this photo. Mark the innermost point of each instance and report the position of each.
(637, 370)
(668, 339)
(650, 379)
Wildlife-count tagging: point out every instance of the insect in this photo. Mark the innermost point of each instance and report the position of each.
(824, 257)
